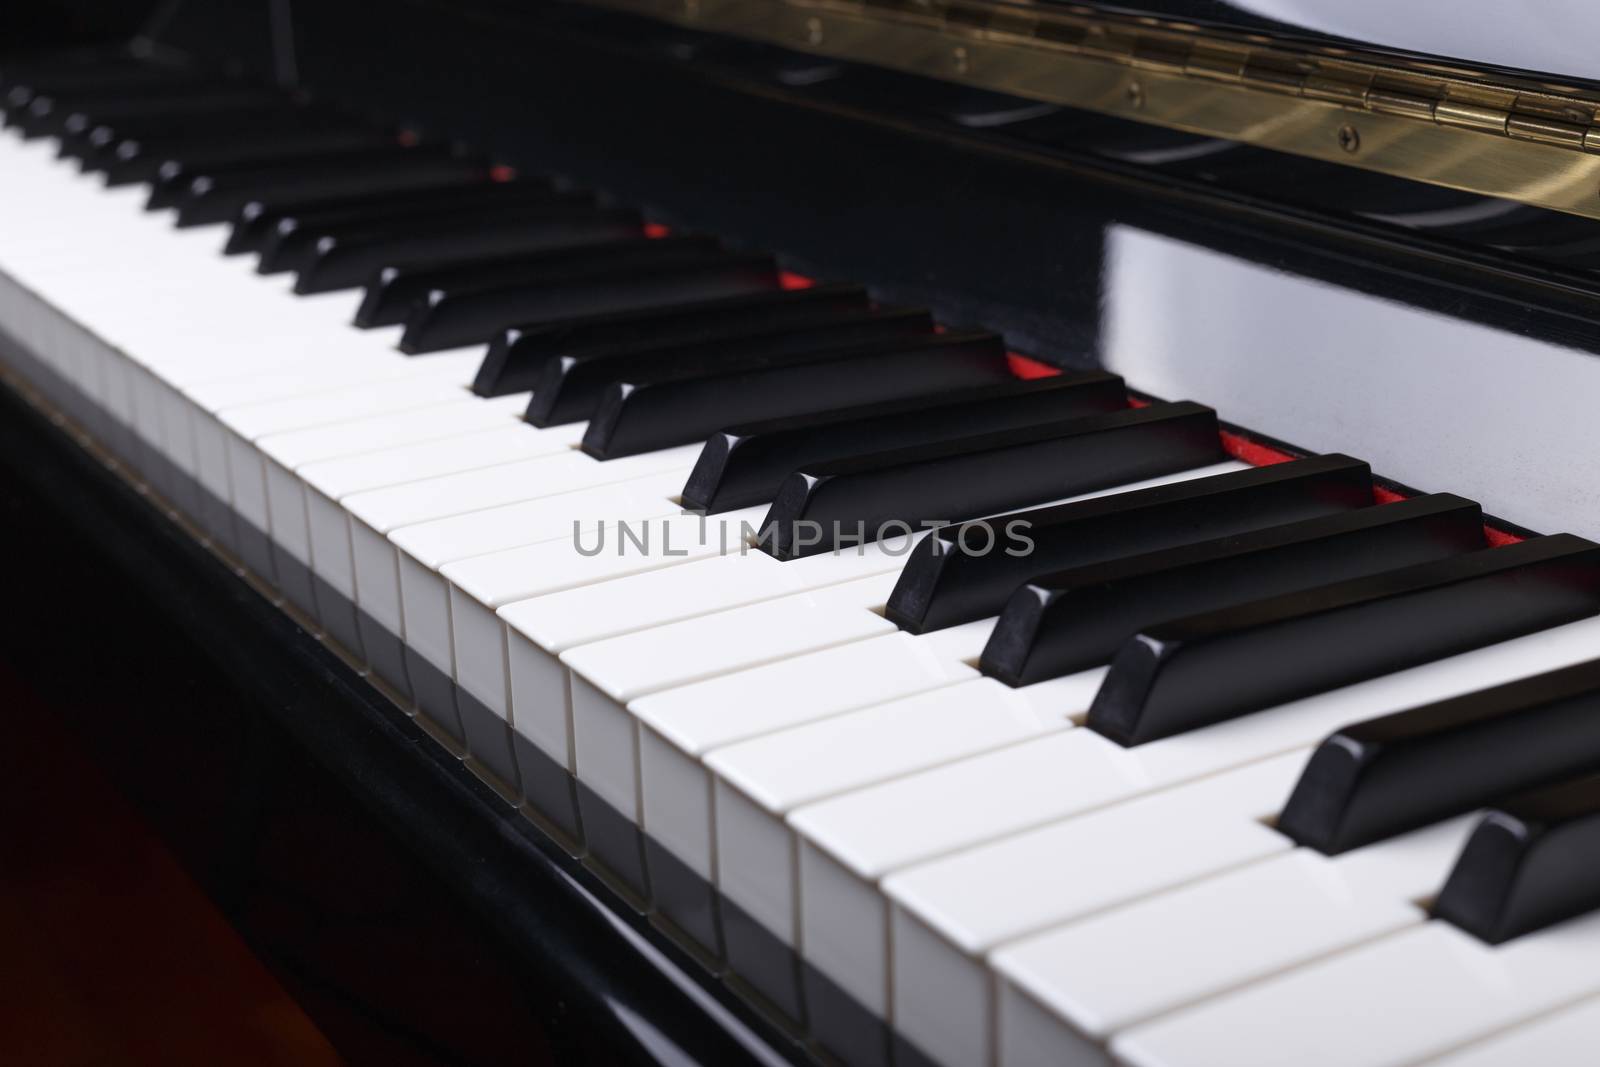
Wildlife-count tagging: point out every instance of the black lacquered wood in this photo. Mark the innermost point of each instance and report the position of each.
(518, 354)
(394, 291)
(665, 410)
(744, 465)
(1372, 780)
(950, 577)
(1531, 863)
(216, 196)
(451, 319)
(572, 386)
(868, 497)
(1072, 620)
(346, 260)
(1186, 673)
(291, 239)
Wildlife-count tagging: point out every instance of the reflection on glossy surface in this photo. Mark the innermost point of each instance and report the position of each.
(1428, 399)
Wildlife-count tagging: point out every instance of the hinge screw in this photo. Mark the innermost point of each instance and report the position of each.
(961, 59)
(1135, 95)
(1349, 138)
(814, 30)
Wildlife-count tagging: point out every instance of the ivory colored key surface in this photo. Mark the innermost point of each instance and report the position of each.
(872, 832)
(947, 913)
(1563, 1038)
(329, 481)
(1417, 993)
(1073, 986)
(758, 781)
(373, 514)
(426, 547)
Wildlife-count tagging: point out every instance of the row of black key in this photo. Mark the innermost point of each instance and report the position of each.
(1210, 598)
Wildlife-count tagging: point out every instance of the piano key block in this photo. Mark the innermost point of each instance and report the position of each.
(1245, 755)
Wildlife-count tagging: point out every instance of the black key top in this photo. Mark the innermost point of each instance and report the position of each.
(217, 196)
(146, 159)
(874, 495)
(78, 116)
(572, 386)
(1073, 620)
(1187, 673)
(745, 465)
(130, 77)
(51, 114)
(97, 145)
(256, 221)
(346, 260)
(645, 414)
(393, 292)
(173, 178)
(945, 582)
(1375, 779)
(284, 234)
(451, 319)
(517, 356)
(1529, 864)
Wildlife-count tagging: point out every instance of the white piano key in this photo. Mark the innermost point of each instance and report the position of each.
(1564, 1038)
(377, 512)
(322, 484)
(1091, 978)
(767, 777)
(881, 828)
(587, 559)
(1065, 870)
(426, 547)
(607, 674)
(1417, 993)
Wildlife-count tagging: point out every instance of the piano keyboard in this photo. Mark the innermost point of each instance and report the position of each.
(1108, 736)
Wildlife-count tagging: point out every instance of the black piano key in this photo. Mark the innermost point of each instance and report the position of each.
(557, 220)
(77, 118)
(449, 319)
(968, 477)
(171, 183)
(1190, 672)
(286, 237)
(944, 584)
(664, 410)
(146, 159)
(394, 291)
(518, 354)
(98, 144)
(257, 219)
(1070, 621)
(82, 81)
(744, 465)
(51, 114)
(217, 196)
(572, 386)
(1372, 780)
(1529, 864)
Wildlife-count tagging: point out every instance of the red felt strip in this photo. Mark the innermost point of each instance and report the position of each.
(788, 279)
(1027, 368)
(502, 173)
(655, 231)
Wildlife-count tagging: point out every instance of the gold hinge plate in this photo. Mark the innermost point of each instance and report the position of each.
(1445, 125)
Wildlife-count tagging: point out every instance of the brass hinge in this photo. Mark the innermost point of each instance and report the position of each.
(1527, 140)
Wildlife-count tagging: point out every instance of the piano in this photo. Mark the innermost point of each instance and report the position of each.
(884, 533)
